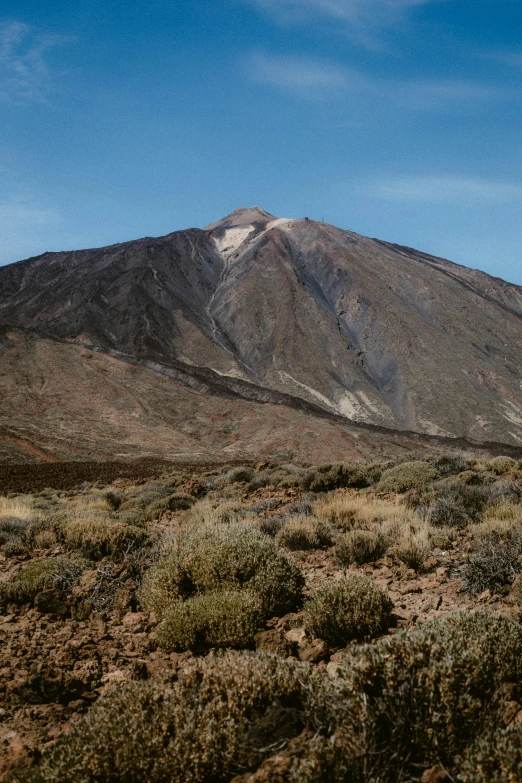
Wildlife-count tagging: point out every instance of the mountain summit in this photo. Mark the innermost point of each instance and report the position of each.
(360, 329)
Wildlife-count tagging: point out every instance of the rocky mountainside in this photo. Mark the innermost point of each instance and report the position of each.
(285, 311)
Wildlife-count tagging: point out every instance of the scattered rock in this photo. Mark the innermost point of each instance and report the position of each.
(52, 602)
(273, 641)
(436, 774)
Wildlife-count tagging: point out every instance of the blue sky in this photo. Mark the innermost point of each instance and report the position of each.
(399, 119)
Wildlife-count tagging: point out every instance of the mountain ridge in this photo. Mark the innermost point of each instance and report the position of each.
(367, 330)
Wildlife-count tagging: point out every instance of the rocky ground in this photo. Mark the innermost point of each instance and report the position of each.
(53, 667)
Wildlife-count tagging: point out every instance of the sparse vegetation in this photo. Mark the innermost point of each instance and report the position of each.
(195, 730)
(495, 563)
(191, 565)
(409, 475)
(228, 618)
(223, 557)
(360, 546)
(98, 537)
(304, 532)
(351, 608)
(502, 465)
(40, 575)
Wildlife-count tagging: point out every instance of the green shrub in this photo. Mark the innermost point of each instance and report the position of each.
(202, 728)
(324, 478)
(361, 546)
(475, 478)
(352, 608)
(495, 564)
(409, 475)
(13, 532)
(300, 533)
(505, 491)
(454, 503)
(494, 758)
(113, 499)
(448, 511)
(450, 464)
(440, 542)
(413, 550)
(240, 475)
(224, 557)
(39, 575)
(178, 501)
(270, 526)
(13, 547)
(430, 691)
(501, 465)
(229, 618)
(99, 537)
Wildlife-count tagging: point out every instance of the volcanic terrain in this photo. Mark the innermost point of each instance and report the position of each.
(255, 336)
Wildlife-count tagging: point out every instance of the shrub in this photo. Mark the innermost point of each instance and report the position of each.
(465, 499)
(409, 475)
(431, 690)
(224, 557)
(178, 501)
(505, 491)
(361, 546)
(229, 618)
(501, 465)
(270, 526)
(18, 507)
(352, 608)
(495, 757)
(304, 533)
(202, 728)
(450, 464)
(240, 475)
(300, 508)
(413, 549)
(447, 511)
(347, 512)
(113, 500)
(13, 548)
(12, 530)
(495, 564)
(353, 474)
(46, 529)
(40, 575)
(99, 537)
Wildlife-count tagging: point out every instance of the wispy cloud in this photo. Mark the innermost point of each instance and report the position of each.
(303, 77)
(352, 11)
(448, 190)
(312, 79)
(24, 72)
(359, 16)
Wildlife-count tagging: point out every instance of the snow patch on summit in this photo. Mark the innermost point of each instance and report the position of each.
(232, 238)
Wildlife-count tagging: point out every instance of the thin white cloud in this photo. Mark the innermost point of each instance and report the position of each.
(446, 190)
(363, 19)
(356, 12)
(302, 76)
(24, 72)
(312, 79)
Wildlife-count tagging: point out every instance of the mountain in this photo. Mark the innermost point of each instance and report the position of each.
(286, 314)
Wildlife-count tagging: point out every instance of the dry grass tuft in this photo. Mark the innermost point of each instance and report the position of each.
(17, 508)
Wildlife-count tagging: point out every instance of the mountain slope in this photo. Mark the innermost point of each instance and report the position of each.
(361, 328)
